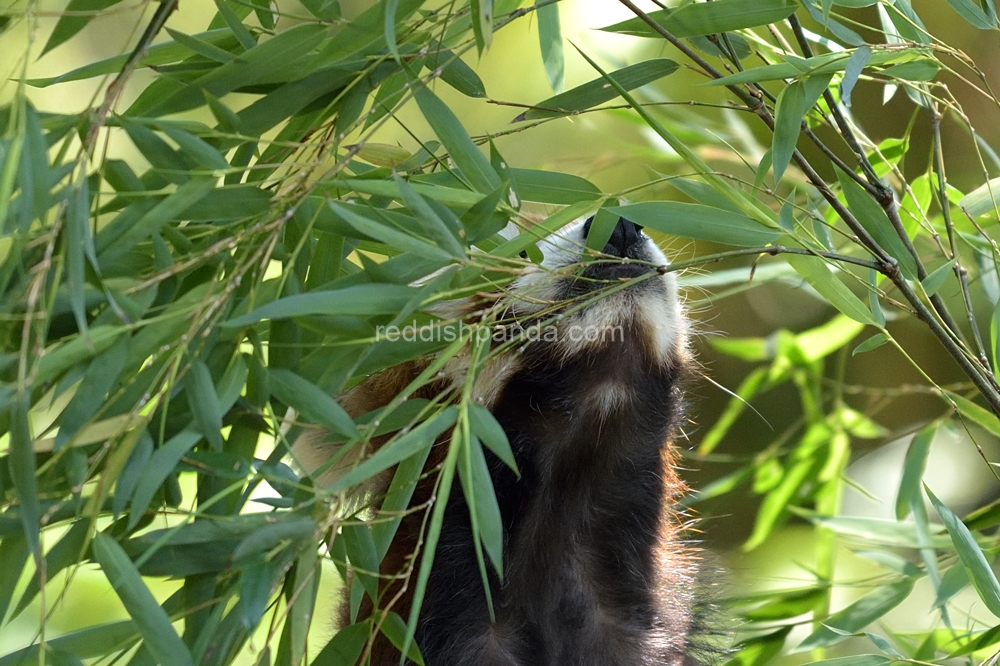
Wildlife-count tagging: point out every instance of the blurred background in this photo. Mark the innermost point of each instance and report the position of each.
(620, 155)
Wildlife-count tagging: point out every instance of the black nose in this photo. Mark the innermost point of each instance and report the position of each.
(625, 235)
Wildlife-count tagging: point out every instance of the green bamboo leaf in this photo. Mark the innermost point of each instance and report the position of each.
(455, 72)
(361, 301)
(199, 150)
(361, 551)
(235, 24)
(230, 203)
(913, 470)
(789, 111)
(391, 236)
(953, 581)
(310, 401)
(936, 278)
(776, 502)
(486, 518)
(978, 415)
(204, 403)
(22, 466)
(345, 648)
(822, 279)
(553, 188)
(746, 391)
(467, 156)
(394, 629)
(598, 91)
(982, 200)
(78, 14)
(482, 23)
(136, 461)
(871, 343)
(398, 449)
(99, 378)
(397, 499)
(66, 552)
(161, 465)
(984, 18)
(924, 69)
(855, 65)
(111, 246)
(876, 222)
(152, 621)
(260, 63)
(449, 196)
(787, 605)
(551, 43)
(267, 537)
(709, 18)
(703, 193)
(485, 426)
(971, 555)
(13, 556)
(78, 241)
(158, 54)
(201, 46)
(256, 583)
(89, 643)
(67, 354)
(430, 223)
(698, 222)
(857, 616)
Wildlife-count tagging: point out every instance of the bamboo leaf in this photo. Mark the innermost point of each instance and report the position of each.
(871, 343)
(152, 621)
(816, 273)
(982, 200)
(310, 401)
(204, 403)
(398, 449)
(360, 300)
(698, 222)
(980, 17)
(78, 14)
(789, 111)
(485, 426)
(709, 18)
(978, 415)
(855, 65)
(876, 222)
(487, 520)
(913, 470)
(858, 615)
(22, 467)
(598, 91)
(936, 278)
(551, 43)
(467, 156)
(971, 555)
(162, 463)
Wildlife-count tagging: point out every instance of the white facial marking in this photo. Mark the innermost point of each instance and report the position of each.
(654, 308)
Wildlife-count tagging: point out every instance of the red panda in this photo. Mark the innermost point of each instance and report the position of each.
(596, 572)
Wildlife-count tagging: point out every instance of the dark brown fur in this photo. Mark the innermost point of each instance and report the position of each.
(595, 569)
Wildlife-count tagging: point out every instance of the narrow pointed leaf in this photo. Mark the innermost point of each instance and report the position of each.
(598, 91)
(979, 570)
(698, 222)
(152, 621)
(709, 18)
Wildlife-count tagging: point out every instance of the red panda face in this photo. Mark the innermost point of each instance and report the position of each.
(621, 286)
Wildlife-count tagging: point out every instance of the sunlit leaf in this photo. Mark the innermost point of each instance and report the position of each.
(598, 91)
